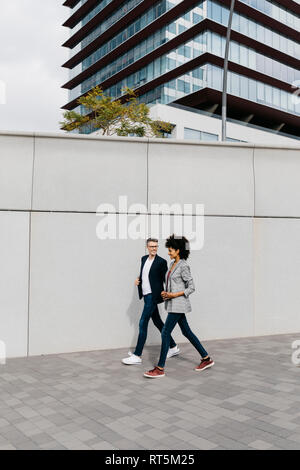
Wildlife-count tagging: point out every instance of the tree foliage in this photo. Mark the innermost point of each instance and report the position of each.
(114, 116)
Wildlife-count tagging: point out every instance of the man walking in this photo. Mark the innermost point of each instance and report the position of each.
(150, 284)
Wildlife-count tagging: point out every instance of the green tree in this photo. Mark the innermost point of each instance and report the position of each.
(114, 116)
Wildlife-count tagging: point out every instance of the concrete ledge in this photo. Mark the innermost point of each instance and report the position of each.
(58, 135)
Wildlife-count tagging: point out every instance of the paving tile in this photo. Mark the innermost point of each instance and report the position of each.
(125, 444)
(203, 444)
(51, 445)
(40, 439)
(103, 445)
(27, 445)
(83, 435)
(260, 445)
(76, 445)
(155, 434)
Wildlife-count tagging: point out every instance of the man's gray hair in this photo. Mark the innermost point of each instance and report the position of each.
(152, 240)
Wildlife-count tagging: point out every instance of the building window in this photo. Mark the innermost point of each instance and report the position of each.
(217, 12)
(209, 136)
(231, 139)
(193, 134)
(180, 85)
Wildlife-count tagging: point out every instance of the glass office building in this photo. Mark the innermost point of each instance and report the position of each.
(172, 51)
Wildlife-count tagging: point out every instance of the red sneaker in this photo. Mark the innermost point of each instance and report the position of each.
(154, 373)
(205, 364)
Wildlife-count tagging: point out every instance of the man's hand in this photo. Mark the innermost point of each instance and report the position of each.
(167, 295)
(137, 281)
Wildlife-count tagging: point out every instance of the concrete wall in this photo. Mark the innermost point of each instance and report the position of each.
(62, 289)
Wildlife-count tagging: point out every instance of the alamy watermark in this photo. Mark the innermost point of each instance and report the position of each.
(2, 92)
(2, 353)
(296, 354)
(160, 221)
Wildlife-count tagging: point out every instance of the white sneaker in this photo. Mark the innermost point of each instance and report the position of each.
(173, 352)
(133, 359)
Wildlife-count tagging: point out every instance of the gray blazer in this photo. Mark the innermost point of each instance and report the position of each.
(180, 279)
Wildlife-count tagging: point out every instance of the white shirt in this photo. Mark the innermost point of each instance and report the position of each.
(145, 277)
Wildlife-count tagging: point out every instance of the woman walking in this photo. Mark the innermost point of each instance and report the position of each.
(179, 285)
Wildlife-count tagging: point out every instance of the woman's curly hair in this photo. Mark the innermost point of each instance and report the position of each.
(179, 243)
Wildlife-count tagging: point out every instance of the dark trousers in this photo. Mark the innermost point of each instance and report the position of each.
(171, 321)
(150, 311)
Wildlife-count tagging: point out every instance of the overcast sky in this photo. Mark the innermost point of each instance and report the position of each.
(31, 56)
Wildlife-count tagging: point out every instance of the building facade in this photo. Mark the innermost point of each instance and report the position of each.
(172, 51)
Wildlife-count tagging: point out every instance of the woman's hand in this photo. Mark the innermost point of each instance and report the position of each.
(137, 281)
(171, 295)
(167, 295)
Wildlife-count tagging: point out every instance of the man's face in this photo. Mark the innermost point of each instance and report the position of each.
(152, 248)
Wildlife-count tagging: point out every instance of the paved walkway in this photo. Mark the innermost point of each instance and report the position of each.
(250, 399)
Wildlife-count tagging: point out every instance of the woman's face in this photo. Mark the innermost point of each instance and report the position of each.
(173, 253)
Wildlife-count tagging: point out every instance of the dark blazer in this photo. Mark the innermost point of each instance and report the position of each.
(156, 277)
